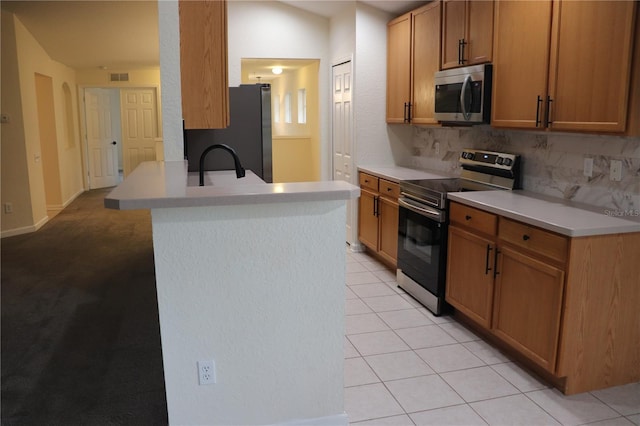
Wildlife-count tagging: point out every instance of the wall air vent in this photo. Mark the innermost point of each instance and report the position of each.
(119, 77)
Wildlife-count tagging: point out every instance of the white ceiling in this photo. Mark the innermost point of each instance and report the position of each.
(123, 34)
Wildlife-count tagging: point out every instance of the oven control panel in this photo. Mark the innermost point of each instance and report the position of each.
(498, 160)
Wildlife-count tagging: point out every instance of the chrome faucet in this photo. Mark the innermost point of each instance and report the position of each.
(239, 169)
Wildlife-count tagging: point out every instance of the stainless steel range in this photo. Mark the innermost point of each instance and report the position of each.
(423, 221)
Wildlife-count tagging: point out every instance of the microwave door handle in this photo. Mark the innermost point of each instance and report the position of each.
(465, 85)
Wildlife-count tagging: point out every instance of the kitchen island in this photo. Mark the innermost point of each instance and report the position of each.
(250, 275)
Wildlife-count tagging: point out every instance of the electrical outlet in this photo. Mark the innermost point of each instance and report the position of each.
(588, 167)
(206, 372)
(8, 208)
(436, 146)
(616, 170)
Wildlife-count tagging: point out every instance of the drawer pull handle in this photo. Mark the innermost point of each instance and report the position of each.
(525, 237)
(467, 217)
(366, 181)
(389, 189)
(486, 261)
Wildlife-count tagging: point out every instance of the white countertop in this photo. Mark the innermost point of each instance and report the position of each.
(168, 184)
(553, 214)
(397, 173)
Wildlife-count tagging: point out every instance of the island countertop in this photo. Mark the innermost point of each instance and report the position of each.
(553, 214)
(168, 184)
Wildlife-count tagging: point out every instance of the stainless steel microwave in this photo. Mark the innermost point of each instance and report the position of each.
(463, 95)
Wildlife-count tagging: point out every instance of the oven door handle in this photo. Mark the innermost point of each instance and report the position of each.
(438, 215)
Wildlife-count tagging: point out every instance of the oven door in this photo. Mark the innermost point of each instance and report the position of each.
(422, 242)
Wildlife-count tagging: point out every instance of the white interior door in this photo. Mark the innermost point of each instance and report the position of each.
(103, 155)
(342, 138)
(139, 127)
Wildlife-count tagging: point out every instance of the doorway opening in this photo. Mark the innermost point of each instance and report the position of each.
(295, 114)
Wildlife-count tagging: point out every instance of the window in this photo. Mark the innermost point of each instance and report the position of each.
(302, 106)
(287, 107)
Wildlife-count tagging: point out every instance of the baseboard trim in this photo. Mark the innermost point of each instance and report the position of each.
(24, 229)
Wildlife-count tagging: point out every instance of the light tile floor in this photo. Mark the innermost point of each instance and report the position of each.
(404, 366)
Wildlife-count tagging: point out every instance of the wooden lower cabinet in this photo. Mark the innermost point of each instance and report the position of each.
(567, 306)
(527, 306)
(378, 217)
(468, 290)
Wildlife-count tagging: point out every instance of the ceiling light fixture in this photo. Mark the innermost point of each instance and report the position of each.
(276, 70)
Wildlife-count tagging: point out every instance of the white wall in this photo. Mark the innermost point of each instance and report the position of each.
(376, 143)
(31, 59)
(342, 34)
(271, 319)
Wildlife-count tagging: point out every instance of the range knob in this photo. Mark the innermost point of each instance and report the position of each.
(508, 162)
(470, 155)
(500, 160)
(464, 154)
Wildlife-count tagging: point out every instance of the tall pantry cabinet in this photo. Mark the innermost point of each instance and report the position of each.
(203, 64)
(413, 57)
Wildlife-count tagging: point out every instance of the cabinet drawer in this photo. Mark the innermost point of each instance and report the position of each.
(535, 239)
(368, 181)
(389, 189)
(473, 218)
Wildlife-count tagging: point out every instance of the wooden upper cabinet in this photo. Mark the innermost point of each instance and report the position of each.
(591, 64)
(398, 68)
(203, 64)
(564, 65)
(467, 32)
(520, 63)
(426, 61)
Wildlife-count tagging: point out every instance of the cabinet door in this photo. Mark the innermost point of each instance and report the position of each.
(426, 61)
(479, 36)
(388, 229)
(367, 219)
(527, 306)
(454, 24)
(520, 62)
(398, 68)
(591, 65)
(203, 64)
(470, 275)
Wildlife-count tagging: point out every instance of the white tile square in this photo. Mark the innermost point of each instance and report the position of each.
(406, 318)
(413, 302)
(373, 265)
(486, 352)
(380, 342)
(372, 290)
(387, 303)
(516, 410)
(355, 267)
(369, 402)
(459, 332)
(394, 286)
(624, 399)
(357, 372)
(572, 409)
(434, 319)
(619, 421)
(349, 294)
(349, 350)
(519, 377)
(458, 415)
(423, 393)
(398, 365)
(449, 358)
(402, 420)
(361, 256)
(364, 323)
(426, 336)
(385, 275)
(355, 278)
(476, 384)
(635, 419)
(356, 307)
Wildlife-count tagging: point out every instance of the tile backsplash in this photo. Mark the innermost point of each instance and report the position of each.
(552, 163)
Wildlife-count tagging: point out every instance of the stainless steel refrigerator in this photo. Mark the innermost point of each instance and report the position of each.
(249, 134)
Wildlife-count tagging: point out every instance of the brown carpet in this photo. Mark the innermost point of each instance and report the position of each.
(80, 332)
